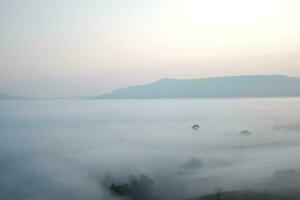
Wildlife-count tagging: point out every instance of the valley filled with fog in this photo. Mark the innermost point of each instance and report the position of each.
(67, 149)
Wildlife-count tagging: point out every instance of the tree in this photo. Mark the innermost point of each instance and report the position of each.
(138, 188)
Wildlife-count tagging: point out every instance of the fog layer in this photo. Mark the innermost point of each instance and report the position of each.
(64, 149)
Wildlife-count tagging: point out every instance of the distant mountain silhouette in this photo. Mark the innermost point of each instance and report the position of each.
(4, 96)
(219, 87)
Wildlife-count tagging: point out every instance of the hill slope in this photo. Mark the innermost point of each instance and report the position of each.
(220, 87)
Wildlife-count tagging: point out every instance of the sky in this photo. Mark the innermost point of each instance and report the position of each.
(51, 48)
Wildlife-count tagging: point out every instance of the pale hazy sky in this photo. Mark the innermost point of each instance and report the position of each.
(89, 47)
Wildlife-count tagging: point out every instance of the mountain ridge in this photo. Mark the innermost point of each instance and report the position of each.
(214, 87)
(5, 96)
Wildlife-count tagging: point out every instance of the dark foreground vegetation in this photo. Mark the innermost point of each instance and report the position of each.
(137, 188)
(143, 188)
(243, 195)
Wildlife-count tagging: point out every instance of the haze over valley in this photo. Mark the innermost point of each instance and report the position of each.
(149, 100)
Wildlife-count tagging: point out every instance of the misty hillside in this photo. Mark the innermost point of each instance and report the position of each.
(236, 86)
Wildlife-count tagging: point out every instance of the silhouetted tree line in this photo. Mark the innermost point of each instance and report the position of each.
(137, 188)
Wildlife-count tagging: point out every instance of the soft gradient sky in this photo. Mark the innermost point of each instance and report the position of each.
(79, 47)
